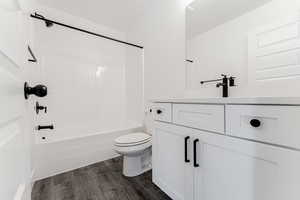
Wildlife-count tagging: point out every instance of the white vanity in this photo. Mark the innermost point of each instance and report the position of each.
(227, 148)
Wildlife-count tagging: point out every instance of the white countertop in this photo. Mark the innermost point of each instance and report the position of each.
(235, 100)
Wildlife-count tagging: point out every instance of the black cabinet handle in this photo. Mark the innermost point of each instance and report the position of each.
(158, 112)
(186, 149)
(255, 123)
(195, 153)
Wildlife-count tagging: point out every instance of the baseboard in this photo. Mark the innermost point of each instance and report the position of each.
(23, 192)
(20, 194)
(164, 187)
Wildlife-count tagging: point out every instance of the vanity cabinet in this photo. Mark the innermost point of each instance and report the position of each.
(234, 169)
(168, 160)
(195, 164)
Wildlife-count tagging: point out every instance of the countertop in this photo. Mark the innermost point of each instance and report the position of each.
(235, 100)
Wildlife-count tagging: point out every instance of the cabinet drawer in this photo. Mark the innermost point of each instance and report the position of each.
(205, 117)
(272, 124)
(162, 112)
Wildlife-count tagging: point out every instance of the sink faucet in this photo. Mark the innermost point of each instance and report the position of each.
(224, 83)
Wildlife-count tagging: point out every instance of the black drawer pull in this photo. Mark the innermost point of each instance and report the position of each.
(195, 153)
(186, 149)
(158, 112)
(255, 123)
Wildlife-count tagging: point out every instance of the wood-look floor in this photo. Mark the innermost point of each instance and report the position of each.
(101, 181)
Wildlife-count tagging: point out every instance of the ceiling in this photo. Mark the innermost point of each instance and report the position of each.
(10, 4)
(203, 15)
(117, 14)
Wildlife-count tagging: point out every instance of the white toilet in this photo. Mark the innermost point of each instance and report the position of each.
(136, 149)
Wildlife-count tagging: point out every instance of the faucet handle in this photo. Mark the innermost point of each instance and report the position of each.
(231, 81)
(219, 84)
(38, 107)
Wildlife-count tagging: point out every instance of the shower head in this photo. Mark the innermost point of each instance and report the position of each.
(48, 23)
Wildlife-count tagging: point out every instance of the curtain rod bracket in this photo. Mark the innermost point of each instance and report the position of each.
(32, 55)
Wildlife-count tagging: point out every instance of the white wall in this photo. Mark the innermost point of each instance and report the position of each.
(224, 50)
(162, 32)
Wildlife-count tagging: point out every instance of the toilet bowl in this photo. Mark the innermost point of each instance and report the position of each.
(136, 150)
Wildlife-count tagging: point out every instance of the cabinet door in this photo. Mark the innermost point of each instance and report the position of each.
(234, 169)
(169, 160)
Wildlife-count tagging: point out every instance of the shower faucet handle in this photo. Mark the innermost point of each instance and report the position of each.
(38, 90)
(38, 107)
(39, 127)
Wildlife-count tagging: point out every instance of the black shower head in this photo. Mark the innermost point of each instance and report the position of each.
(48, 23)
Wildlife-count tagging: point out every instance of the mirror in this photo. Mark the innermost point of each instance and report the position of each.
(216, 35)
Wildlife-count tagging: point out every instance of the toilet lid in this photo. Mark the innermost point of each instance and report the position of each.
(133, 138)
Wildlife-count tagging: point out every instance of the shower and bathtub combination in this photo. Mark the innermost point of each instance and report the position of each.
(95, 97)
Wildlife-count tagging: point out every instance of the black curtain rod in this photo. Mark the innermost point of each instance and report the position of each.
(40, 17)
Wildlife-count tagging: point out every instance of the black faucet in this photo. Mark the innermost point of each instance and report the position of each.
(224, 83)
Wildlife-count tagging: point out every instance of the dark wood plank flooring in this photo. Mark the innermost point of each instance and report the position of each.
(101, 181)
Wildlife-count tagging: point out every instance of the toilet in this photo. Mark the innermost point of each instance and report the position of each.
(136, 150)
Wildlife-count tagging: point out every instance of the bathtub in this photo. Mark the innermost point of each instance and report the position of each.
(55, 157)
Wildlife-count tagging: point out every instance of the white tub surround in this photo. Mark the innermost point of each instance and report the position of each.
(227, 148)
(95, 85)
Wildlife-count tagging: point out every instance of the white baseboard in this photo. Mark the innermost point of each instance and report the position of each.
(23, 192)
(20, 194)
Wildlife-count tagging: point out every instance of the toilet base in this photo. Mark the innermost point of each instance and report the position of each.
(137, 165)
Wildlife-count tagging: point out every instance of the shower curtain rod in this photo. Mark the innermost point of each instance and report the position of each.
(50, 22)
